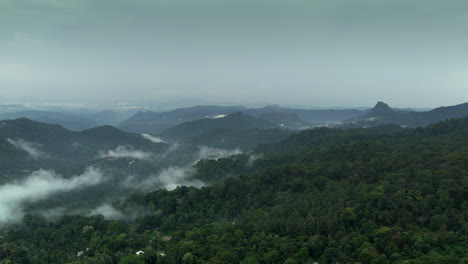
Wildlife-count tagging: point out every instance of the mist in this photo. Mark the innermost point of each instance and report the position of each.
(153, 139)
(205, 152)
(28, 147)
(125, 152)
(108, 211)
(172, 176)
(41, 185)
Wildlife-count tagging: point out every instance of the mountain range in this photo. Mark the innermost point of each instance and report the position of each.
(154, 123)
(382, 113)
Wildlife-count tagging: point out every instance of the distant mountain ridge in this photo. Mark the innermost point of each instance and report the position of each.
(154, 123)
(382, 113)
(235, 121)
(68, 121)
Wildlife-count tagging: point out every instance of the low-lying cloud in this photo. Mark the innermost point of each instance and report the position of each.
(41, 185)
(28, 147)
(173, 176)
(125, 152)
(153, 139)
(170, 178)
(108, 211)
(215, 153)
(216, 117)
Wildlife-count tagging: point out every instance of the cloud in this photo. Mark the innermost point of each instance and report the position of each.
(53, 213)
(169, 179)
(125, 152)
(153, 139)
(253, 158)
(28, 147)
(173, 176)
(214, 153)
(108, 211)
(216, 116)
(39, 186)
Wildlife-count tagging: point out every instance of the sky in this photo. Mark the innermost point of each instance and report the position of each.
(305, 52)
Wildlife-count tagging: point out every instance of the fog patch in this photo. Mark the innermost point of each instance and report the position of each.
(39, 186)
(53, 213)
(253, 158)
(170, 178)
(125, 152)
(108, 211)
(28, 147)
(171, 149)
(153, 139)
(173, 176)
(214, 153)
(216, 116)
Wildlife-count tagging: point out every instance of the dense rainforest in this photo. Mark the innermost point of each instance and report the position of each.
(371, 195)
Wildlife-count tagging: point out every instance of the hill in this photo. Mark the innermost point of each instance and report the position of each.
(236, 121)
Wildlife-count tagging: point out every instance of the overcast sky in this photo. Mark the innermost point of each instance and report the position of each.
(409, 53)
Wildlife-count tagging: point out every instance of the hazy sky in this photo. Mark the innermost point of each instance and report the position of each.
(314, 52)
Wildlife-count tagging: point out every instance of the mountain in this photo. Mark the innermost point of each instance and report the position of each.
(313, 116)
(68, 121)
(45, 146)
(236, 121)
(154, 123)
(384, 114)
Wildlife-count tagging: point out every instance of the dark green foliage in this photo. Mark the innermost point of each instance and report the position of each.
(370, 196)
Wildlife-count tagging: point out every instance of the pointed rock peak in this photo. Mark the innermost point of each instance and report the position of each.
(381, 107)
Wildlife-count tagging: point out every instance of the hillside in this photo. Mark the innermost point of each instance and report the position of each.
(384, 114)
(380, 195)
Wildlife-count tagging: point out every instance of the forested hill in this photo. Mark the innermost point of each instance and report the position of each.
(370, 196)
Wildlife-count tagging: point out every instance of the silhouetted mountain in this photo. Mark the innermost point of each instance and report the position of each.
(313, 116)
(235, 121)
(381, 107)
(154, 123)
(68, 121)
(151, 122)
(384, 114)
